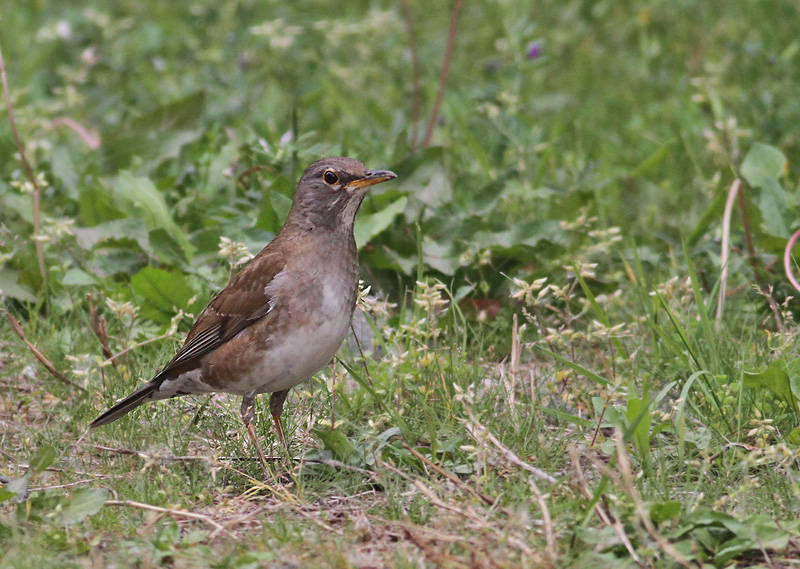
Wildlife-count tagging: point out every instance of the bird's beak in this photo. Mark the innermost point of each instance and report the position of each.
(372, 177)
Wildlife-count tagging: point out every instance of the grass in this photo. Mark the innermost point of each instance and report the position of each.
(545, 382)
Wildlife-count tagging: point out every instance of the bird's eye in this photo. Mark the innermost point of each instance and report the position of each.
(331, 178)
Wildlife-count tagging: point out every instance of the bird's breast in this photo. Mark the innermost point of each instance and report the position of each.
(304, 328)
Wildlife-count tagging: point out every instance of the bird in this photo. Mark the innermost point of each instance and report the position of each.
(283, 317)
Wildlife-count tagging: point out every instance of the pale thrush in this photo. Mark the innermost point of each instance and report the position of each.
(282, 318)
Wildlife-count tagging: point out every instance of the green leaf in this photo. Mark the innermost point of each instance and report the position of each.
(96, 205)
(82, 504)
(77, 277)
(43, 459)
(118, 230)
(275, 205)
(157, 135)
(162, 293)
(773, 379)
(762, 162)
(767, 531)
(579, 421)
(338, 444)
(6, 495)
(10, 287)
(661, 512)
(640, 419)
(64, 170)
(138, 197)
(588, 374)
(19, 485)
(650, 163)
(368, 226)
(773, 201)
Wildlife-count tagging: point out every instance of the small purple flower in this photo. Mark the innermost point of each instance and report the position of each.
(534, 49)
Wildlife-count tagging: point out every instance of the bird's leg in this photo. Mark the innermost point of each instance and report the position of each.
(276, 408)
(248, 413)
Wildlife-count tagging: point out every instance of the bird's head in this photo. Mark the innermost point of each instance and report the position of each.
(331, 190)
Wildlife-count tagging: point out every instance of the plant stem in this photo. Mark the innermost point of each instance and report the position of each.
(448, 53)
(37, 224)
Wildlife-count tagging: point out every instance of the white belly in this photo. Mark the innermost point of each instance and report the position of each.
(300, 351)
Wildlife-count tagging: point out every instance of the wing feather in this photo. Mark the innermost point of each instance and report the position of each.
(244, 301)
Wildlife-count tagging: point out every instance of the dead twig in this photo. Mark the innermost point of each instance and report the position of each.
(439, 559)
(150, 455)
(361, 352)
(69, 485)
(743, 446)
(171, 512)
(606, 517)
(479, 432)
(434, 499)
(19, 331)
(116, 356)
(450, 476)
(549, 534)
(641, 512)
(100, 329)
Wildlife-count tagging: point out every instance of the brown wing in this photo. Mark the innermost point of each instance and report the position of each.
(240, 304)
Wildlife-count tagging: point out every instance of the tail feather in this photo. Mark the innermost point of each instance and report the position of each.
(131, 402)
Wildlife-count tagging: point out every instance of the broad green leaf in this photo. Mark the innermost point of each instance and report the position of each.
(78, 277)
(9, 286)
(138, 197)
(166, 248)
(19, 485)
(762, 162)
(338, 444)
(661, 512)
(158, 135)
(6, 495)
(275, 205)
(64, 170)
(368, 226)
(639, 418)
(773, 201)
(43, 459)
(118, 230)
(773, 379)
(96, 205)
(767, 531)
(83, 503)
(162, 292)
(217, 181)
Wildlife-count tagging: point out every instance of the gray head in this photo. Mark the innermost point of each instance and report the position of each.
(330, 192)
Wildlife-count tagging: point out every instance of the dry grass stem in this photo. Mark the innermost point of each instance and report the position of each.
(171, 512)
(19, 331)
(480, 433)
(100, 329)
(641, 511)
(726, 231)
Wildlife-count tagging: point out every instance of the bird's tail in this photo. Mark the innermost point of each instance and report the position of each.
(143, 395)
